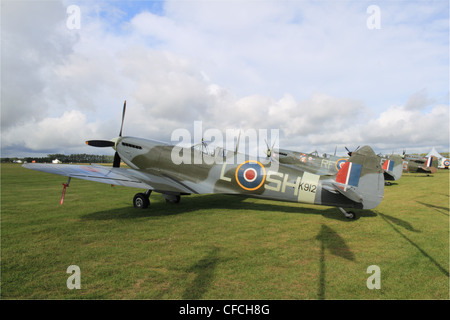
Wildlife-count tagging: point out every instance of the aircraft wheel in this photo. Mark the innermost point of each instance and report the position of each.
(351, 215)
(175, 200)
(141, 201)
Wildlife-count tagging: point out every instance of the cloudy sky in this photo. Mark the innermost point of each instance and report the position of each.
(326, 74)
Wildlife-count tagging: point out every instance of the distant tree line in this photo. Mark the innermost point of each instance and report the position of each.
(93, 158)
(73, 158)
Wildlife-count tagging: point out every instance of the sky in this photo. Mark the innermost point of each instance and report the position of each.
(325, 74)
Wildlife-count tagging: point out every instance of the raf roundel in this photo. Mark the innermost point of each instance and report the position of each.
(250, 175)
(339, 163)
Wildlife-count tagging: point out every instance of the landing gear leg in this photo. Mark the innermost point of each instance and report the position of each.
(349, 215)
(142, 200)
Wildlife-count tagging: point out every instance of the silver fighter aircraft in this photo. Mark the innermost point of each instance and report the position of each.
(359, 183)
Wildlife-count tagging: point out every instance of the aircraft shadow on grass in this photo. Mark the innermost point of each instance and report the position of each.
(394, 221)
(229, 203)
(440, 209)
(336, 245)
(204, 275)
(399, 222)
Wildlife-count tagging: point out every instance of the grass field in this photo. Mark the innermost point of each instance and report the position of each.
(218, 246)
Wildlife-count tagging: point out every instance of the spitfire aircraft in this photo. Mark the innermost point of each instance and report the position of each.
(393, 167)
(331, 164)
(309, 161)
(359, 183)
(416, 163)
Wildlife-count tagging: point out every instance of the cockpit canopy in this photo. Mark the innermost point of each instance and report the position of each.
(210, 148)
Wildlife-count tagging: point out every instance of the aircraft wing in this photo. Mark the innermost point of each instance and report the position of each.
(110, 175)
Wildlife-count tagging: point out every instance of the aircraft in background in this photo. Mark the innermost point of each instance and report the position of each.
(443, 163)
(331, 164)
(417, 163)
(325, 164)
(393, 167)
(359, 182)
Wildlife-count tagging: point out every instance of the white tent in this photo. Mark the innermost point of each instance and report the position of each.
(433, 152)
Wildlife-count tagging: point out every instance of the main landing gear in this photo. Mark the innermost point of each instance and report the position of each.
(349, 215)
(142, 200)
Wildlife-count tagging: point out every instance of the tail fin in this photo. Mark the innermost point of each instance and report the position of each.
(393, 167)
(432, 163)
(361, 178)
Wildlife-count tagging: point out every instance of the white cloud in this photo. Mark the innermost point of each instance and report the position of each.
(399, 125)
(29, 49)
(311, 69)
(52, 133)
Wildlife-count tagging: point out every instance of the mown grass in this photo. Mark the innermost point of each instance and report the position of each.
(218, 246)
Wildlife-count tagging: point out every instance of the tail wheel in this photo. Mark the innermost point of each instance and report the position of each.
(351, 215)
(141, 201)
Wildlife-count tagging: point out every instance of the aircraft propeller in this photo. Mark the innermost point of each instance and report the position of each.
(270, 149)
(350, 152)
(110, 143)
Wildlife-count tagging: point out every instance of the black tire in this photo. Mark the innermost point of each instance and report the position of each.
(141, 201)
(176, 200)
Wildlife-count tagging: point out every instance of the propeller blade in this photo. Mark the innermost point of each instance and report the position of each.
(268, 151)
(123, 117)
(116, 163)
(273, 145)
(100, 143)
(239, 140)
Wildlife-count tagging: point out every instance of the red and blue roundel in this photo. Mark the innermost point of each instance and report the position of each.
(250, 175)
(446, 162)
(339, 163)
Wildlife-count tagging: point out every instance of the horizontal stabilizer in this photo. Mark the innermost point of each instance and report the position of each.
(348, 191)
